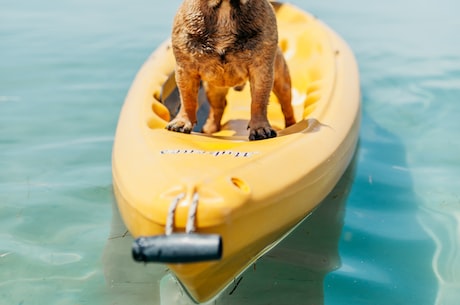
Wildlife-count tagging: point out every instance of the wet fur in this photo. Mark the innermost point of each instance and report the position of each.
(225, 43)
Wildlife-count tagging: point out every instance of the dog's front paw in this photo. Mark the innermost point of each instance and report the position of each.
(180, 125)
(261, 132)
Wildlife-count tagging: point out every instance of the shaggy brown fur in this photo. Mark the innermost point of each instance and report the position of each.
(224, 43)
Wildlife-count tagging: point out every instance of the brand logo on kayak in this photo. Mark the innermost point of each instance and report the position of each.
(215, 153)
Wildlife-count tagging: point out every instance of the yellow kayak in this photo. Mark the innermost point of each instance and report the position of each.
(209, 205)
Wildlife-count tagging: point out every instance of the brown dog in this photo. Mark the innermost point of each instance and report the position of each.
(224, 43)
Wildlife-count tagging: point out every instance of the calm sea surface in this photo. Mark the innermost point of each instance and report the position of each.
(391, 234)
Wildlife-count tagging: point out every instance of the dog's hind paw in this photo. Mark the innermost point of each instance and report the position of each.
(210, 127)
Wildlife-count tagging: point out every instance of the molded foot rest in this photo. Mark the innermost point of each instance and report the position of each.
(178, 248)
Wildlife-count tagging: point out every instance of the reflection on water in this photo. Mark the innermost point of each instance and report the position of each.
(386, 254)
(291, 273)
(443, 226)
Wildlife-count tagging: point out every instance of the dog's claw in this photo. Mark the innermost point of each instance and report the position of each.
(261, 133)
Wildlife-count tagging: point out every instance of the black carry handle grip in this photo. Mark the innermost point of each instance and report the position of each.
(178, 248)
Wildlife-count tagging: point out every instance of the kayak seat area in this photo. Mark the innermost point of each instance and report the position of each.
(311, 59)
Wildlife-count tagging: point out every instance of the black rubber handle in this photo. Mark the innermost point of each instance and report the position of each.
(178, 248)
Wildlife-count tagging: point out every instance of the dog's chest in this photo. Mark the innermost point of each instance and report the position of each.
(218, 43)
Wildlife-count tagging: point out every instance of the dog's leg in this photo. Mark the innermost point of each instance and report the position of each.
(261, 81)
(217, 102)
(282, 88)
(189, 86)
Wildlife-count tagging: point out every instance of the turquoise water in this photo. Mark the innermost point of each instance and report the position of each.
(388, 234)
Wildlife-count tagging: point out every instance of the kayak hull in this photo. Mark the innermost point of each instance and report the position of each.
(250, 193)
